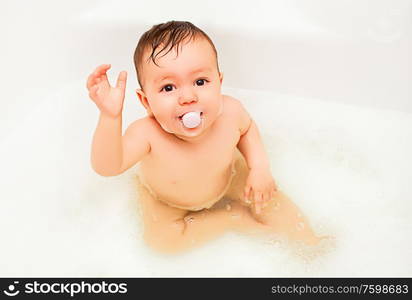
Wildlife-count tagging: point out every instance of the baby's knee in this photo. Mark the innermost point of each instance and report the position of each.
(165, 239)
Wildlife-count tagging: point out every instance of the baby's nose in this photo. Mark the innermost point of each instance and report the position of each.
(187, 96)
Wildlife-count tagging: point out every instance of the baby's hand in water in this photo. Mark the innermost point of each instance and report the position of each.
(107, 98)
(260, 188)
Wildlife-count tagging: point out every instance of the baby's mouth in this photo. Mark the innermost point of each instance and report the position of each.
(181, 116)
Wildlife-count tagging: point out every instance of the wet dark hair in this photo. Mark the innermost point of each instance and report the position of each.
(170, 35)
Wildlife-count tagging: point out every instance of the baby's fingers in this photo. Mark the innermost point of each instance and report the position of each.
(258, 201)
(98, 75)
(266, 199)
(121, 80)
(247, 191)
(93, 92)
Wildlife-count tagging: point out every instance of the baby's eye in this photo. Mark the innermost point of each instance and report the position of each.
(201, 81)
(167, 88)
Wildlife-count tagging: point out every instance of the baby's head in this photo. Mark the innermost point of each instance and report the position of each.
(185, 78)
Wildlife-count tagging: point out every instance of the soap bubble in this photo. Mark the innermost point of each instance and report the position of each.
(300, 226)
(189, 219)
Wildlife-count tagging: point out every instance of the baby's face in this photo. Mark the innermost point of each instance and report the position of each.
(188, 82)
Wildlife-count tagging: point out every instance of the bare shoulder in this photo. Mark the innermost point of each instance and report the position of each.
(138, 135)
(237, 111)
(231, 101)
(142, 126)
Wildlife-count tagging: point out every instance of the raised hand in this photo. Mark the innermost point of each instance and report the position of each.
(108, 99)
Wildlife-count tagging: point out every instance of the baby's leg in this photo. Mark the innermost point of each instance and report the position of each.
(169, 230)
(282, 216)
(162, 225)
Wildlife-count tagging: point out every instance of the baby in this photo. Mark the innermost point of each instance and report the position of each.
(203, 166)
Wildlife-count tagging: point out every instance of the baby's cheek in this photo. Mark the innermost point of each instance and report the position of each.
(164, 121)
(220, 111)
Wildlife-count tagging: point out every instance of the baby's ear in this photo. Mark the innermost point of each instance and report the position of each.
(143, 99)
(221, 77)
(140, 93)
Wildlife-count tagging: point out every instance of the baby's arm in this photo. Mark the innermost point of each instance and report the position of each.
(107, 150)
(111, 153)
(250, 143)
(260, 185)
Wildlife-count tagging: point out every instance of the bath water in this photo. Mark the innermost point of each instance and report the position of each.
(348, 168)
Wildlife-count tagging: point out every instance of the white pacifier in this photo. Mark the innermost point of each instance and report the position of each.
(191, 119)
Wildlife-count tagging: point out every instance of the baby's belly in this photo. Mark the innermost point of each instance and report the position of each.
(193, 190)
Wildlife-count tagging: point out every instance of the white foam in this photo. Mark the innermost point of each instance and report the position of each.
(347, 168)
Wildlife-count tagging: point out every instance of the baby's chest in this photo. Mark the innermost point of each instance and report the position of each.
(202, 160)
(216, 151)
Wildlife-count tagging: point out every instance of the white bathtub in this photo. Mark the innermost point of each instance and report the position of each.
(328, 83)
